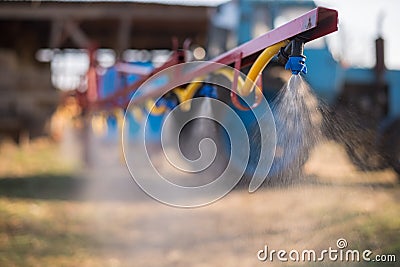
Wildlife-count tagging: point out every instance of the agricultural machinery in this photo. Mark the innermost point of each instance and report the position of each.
(371, 138)
(117, 88)
(364, 112)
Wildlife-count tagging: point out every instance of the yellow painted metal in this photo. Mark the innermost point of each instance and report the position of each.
(186, 94)
(259, 65)
(153, 109)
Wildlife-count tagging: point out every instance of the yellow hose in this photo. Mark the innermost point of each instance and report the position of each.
(137, 114)
(259, 65)
(185, 94)
(230, 74)
(244, 88)
(153, 109)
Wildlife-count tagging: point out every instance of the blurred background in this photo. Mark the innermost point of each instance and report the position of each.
(66, 196)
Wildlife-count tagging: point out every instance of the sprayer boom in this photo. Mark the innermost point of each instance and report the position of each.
(307, 27)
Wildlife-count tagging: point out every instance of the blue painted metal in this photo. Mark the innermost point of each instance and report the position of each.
(109, 83)
(273, 7)
(153, 128)
(393, 79)
(134, 126)
(169, 103)
(112, 128)
(207, 90)
(245, 26)
(296, 64)
(325, 75)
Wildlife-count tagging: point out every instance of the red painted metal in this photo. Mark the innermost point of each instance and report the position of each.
(92, 89)
(120, 98)
(311, 25)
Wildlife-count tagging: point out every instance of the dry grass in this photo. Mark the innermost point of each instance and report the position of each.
(49, 217)
(39, 157)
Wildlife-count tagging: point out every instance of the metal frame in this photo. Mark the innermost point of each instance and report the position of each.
(311, 25)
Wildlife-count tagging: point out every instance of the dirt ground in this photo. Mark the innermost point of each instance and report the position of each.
(335, 201)
(99, 217)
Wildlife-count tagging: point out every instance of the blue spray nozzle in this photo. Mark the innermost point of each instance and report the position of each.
(296, 64)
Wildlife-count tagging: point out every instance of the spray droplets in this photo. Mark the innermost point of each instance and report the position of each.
(298, 128)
